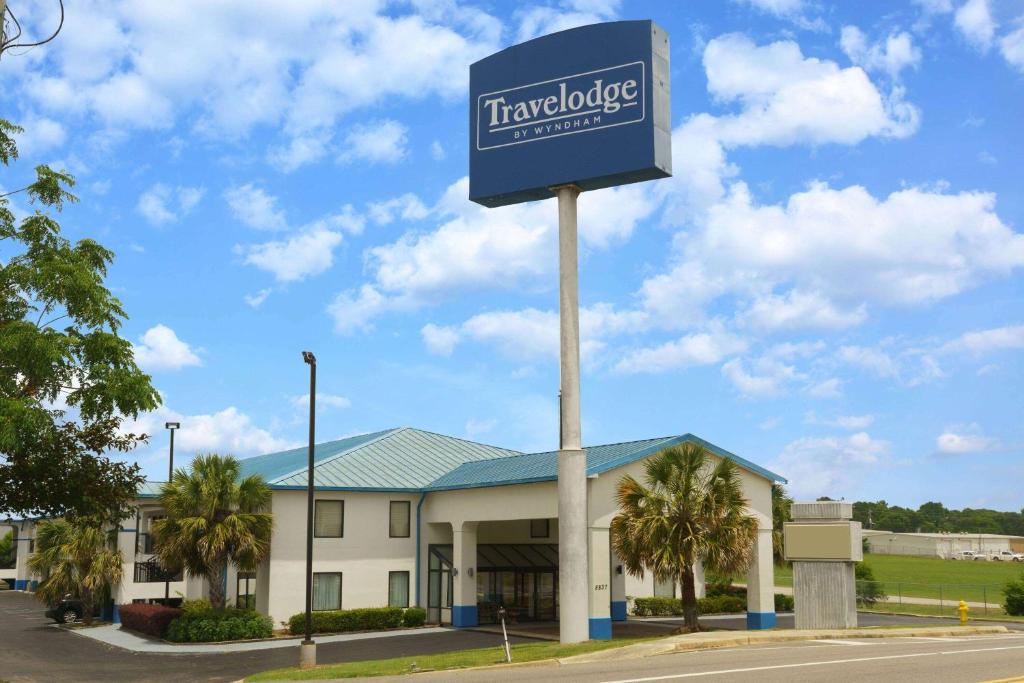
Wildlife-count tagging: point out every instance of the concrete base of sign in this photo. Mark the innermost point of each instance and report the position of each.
(307, 655)
(824, 595)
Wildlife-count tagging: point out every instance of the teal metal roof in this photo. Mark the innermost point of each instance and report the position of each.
(407, 459)
(393, 460)
(534, 467)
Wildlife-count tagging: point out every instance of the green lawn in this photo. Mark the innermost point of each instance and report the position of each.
(976, 615)
(527, 652)
(923, 576)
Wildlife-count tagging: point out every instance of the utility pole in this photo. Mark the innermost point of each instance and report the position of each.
(307, 650)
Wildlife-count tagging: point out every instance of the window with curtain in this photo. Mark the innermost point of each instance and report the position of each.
(398, 527)
(326, 591)
(540, 528)
(398, 589)
(329, 519)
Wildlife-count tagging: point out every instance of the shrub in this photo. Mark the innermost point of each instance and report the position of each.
(1014, 597)
(718, 587)
(218, 625)
(657, 607)
(153, 620)
(193, 606)
(783, 603)
(338, 621)
(414, 616)
(721, 604)
(869, 591)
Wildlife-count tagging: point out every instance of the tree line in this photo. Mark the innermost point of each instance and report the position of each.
(935, 517)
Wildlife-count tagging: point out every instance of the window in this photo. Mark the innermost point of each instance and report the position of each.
(329, 519)
(398, 589)
(326, 591)
(540, 528)
(398, 526)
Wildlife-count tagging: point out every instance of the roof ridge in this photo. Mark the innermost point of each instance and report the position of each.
(599, 445)
(459, 438)
(382, 434)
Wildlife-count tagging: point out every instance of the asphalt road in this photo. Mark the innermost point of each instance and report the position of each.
(31, 649)
(907, 660)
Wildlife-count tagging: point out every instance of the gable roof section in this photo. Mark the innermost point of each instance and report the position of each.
(535, 467)
(402, 459)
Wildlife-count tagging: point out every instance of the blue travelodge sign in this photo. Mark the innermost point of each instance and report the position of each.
(588, 106)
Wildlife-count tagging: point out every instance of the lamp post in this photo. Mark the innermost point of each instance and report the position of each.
(307, 651)
(171, 427)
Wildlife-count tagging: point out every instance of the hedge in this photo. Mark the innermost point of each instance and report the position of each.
(414, 616)
(713, 604)
(1013, 596)
(783, 603)
(217, 625)
(338, 621)
(152, 620)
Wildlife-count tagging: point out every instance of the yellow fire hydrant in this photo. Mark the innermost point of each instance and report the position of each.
(963, 609)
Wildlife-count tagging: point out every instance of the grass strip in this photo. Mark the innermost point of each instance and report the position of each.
(523, 652)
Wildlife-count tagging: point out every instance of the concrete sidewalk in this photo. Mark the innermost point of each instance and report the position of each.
(126, 640)
(717, 639)
(912, 600)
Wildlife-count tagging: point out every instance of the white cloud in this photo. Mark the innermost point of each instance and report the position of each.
(228, 432)
(160, 349)
(974, 20)
(296, 258)
(255, 208)
(40, 134)
(542, 20)
(1011, 46)
(892, 56)
(877, 361)
(799, 310)
(440, 341)
(980, 342)
(853, 421)
(408, 207)
(256, 300)
(437, 152)
(475, 428)
(699, 348)
(164, 204)
(383, 142)
(793, 10)
(295, 68)
(829, 388)
(756, 386)
(299, 151)
(831, 466)
(323, 400)
(964, 439)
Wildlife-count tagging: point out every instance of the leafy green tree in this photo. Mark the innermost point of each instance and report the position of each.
(869, 589)
(781, 513)
(213, 517)
(7, 556)
(688, 508)
(66, 377)
(1013, 597)
(75, 557)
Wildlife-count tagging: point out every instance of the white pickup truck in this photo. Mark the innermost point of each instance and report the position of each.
(969, 555)
(1008, 556)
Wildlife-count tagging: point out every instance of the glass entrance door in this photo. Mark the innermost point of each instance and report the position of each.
(440, 586)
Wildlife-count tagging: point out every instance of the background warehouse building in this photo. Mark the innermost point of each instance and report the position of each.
(943, 545)
(407, 517)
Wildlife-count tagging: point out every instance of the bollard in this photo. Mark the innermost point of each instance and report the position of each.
(504, 633)
(963, 609)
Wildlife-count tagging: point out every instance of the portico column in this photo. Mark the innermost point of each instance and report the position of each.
(126, 543)
(464, 612)
(23, 542)
(699, 580)
(600, 584)
(761, 584)
(619, 606)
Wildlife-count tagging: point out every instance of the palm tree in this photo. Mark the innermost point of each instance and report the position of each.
(76, 557)
(688, 508)
(213, 517)
(781, 513)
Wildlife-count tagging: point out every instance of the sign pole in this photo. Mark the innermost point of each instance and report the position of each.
(573, 609)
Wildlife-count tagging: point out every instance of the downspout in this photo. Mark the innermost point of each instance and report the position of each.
(419, 508)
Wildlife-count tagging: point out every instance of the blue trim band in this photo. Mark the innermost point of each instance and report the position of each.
(618, 610)
(601, 628)
(465, 616)
(116, 617)
(20, 584)
(35, 585)
(760, 620)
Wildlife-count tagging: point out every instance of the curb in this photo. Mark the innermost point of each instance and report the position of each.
(719, 639)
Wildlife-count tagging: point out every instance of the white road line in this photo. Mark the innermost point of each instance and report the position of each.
(801, 665)
(941, 639)
(837, 641)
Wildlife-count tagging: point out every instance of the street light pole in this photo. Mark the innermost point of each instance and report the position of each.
(170, 426)
(307, 651)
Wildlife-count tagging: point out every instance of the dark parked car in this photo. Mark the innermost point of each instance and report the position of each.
(68, 611)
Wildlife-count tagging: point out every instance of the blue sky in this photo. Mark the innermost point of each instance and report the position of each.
(830, 285)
